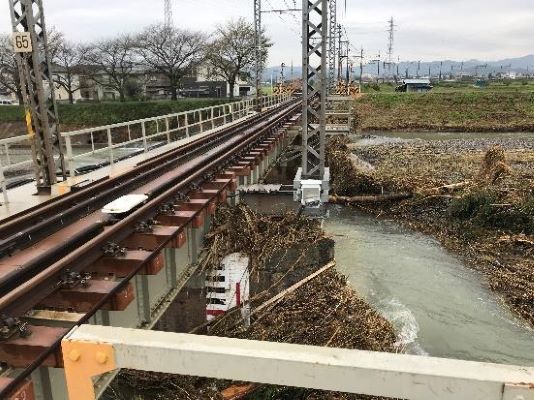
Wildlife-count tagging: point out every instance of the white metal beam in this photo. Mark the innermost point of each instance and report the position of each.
(350, 371)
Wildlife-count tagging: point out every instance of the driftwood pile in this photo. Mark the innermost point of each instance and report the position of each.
(348, 178)
(240, 229)
(319, 310)
(323, 312)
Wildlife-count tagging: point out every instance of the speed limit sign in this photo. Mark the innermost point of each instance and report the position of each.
(22, 42)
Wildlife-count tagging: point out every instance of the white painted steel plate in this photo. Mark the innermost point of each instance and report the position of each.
(125, 204)
(22, 42)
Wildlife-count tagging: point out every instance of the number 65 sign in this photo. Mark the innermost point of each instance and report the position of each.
(22, 42)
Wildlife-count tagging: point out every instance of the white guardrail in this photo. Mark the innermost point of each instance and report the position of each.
(91, 350)
(105, 144)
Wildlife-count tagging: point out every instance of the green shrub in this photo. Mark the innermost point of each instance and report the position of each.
(480, 208)
(96, 114)
(470, 205)
(11, 113)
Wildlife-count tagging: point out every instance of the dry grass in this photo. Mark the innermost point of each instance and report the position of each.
(469, 111)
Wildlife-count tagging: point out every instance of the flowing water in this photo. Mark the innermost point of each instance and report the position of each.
(438, 306)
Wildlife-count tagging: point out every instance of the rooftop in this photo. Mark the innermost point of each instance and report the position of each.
(424, 81)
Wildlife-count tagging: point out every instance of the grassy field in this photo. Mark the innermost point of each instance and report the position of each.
(96, 114)
(513, 86)
(453, 110)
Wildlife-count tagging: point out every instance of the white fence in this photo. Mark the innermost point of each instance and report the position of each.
(111, 143)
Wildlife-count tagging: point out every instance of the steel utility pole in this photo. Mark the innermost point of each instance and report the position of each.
(347, 75)
(340, 53)
(314, 87)
(258, 50)
(33, 61)
(361, 66)
(332, 50)
(377, 61)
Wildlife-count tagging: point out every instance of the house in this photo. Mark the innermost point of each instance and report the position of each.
(199, 83)
(202, 83)
(90, 84)
(86, 88)
(415, 86)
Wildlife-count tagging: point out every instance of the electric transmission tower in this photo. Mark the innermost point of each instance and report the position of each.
(332, 41)
(168, 14)
(33, 61)
(391, 43)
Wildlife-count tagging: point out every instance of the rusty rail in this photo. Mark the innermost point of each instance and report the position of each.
(29, 290)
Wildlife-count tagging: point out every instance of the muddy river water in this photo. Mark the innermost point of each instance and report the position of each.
(437, 304)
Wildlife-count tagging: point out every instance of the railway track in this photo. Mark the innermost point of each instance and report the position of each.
(69, 244)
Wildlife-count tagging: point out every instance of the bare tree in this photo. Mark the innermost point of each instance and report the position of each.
(232, 52)
(171, 52)
(9, 73)
(69, 64)
(112, 63)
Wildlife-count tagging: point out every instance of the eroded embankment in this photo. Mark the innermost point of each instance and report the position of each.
(324, 311)
(475, 196)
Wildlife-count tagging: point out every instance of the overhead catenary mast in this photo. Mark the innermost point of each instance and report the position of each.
(33, 61)
(332, 42)
(314, 87)
(257, 46)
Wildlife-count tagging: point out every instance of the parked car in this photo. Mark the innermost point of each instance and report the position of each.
(6, 102)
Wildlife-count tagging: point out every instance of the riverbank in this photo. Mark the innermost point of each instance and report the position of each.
(475, 111)
(475, 196)
(297, 296)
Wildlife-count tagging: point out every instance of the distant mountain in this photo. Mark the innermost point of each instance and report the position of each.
(519, 65)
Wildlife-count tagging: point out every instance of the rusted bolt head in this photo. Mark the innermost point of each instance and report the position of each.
(101, 358)
(74, 355)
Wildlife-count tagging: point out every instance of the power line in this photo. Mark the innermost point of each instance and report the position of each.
(280, 12)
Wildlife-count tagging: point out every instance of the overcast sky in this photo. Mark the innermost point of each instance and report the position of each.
(426, 29)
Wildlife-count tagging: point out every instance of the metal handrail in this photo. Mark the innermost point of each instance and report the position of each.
(173, 127)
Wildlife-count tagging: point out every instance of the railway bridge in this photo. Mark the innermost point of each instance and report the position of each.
(89, 264)
(87, 270)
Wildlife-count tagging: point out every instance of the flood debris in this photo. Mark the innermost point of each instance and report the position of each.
(476, 196)
(494, 165)
(306, 301)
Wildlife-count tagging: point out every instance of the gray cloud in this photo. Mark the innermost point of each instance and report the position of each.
(427, 29)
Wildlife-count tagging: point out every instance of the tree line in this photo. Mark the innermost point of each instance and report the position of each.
(158, 50)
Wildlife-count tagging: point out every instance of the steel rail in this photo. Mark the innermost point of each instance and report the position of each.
(41, 221)
(122, 230)
(10, 303)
